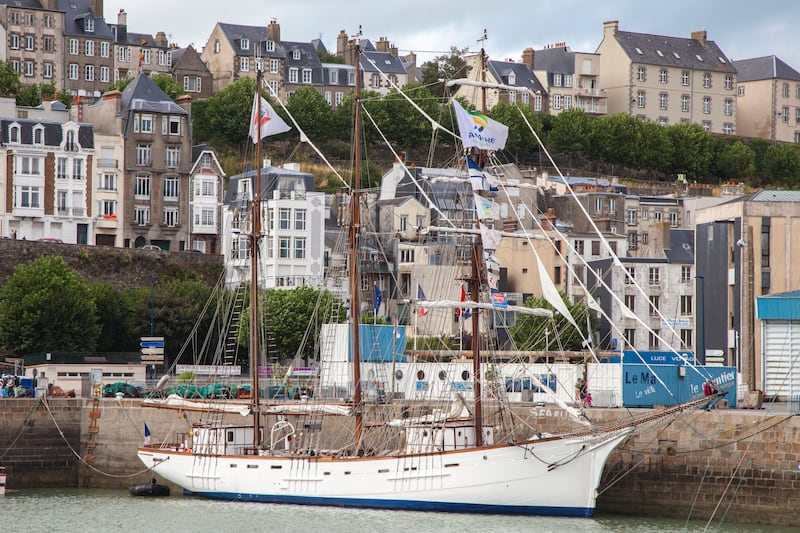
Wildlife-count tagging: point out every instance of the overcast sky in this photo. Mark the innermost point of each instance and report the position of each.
(742, 28)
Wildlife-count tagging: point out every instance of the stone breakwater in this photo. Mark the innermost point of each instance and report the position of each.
(743, 462)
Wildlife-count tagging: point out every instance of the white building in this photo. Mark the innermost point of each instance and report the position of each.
(293, 236)
(205, 200)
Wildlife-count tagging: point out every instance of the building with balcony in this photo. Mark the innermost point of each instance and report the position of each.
(668, 80)
(206, 185)
(47, 179)
(155, 162)
(768, 99)
(571, 79)
(529, 90)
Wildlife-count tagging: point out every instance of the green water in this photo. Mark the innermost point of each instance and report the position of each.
(79, 510)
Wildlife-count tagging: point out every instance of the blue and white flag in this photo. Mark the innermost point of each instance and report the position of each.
(378, 299)
(480, 180)
(484, 207)
(146, 434)
(479, 130)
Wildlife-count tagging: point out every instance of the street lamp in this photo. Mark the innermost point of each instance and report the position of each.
(153, 305)
(702, 280)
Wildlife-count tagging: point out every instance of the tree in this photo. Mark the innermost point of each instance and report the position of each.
(224, 118)
(9, 79)
(782, 165)
(520, 139)
(312, 112)
(327, 57)
(167, 84)
(398, 119)
(691, 151)
(733, 159)
(571, 133)
(115, 312)
(120, 84)
(46, 306)
(442, 68)
(542, 333)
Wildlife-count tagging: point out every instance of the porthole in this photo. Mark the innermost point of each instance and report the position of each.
(420, 375)
(398, 375)
(465, 375)
(442, 375)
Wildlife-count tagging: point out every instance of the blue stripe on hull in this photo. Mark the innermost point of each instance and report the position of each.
(405, 505)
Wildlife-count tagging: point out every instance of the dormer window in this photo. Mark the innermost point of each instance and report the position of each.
(13, 133)
(69, 142)
(88, 24)
(245, 44)
(512, 79)
(270, 45)
(38, 135)
(296, 55)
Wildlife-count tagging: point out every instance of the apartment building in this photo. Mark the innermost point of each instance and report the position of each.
(32, 37)
(571, 79)
(529, 90)
(768, 99)
(46, 178)
(668, 80)
(155, 164)
(87, 48)
(189, 71)
(139, 52)
(206, 185)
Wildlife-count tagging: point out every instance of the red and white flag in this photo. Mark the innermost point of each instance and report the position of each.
(270, 122)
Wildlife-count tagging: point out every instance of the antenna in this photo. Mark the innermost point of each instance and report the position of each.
(483, 38)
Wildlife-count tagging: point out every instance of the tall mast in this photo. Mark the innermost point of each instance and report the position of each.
(255, 235)
(475, 282)
(355, 222)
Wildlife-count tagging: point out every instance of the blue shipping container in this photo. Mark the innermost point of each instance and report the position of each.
(645, 387)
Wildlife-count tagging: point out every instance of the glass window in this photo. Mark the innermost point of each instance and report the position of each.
(171, 188)
(142, 189)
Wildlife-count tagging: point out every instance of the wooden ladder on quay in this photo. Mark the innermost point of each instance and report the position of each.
(91, 441)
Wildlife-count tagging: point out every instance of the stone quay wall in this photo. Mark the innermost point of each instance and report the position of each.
(742, 463)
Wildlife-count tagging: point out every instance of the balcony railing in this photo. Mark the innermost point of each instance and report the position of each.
(107, 163)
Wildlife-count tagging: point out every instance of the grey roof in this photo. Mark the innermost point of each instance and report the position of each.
(53, 132)
(764, 68)
(522, 75)
(681, 246)
(75, 11)
(308, 59)
(677, 52)
(384, 61)
(257, 35)
(142, 94)
(29, 4)
(774, 196)
(560, 60)
(270, 177)
(177, 53)
(343, 78)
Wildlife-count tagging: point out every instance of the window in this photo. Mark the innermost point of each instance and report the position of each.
(328, 97)
(595, 248)
(141, 215)
(633, 240)
(662, 100)
(375, 80)
(307, 76)
(673, 219)
(685, 78)
(270, 46)
(784, 114)
(662, 76)
(686, 305)
(77, 169)
(653, 341)
(104, 49)
(104, 74)
(300, 219)
(686, 337)
(630, 302)
(630, 337)
(728, 82)
(706, 124)
(171, 188)
(29, 166)
(273, 66)
(89, 72)
(89, 48)
(204, 217)
(728, 107)
(579, 247)
(706, 105)
(567, 100)
(641, 73)
(73, 71)
(537, 102)
(62, 168)
(655, 275)
(338, 97)
(13, 134)
(686, 274)
(29, 69)
(48, 21)
(48, 44)
(107, 182)
(631, 217)
(14, 42)
(284, 218)
(283, 247)
(191, 84)
(142, 189)
(47, 70)
(173, 156)
(300, 248)
(145, 56)
(143, 123)
(293, 75)
(28, 197)
(707, 80)
(557, 80)
(171, 216)
(88, 24)
(144, 155)
(245, 43)
(273, 87)
(655, 302)
(29, 42)
(244, 64)
(38, 135)
(73, 47)
(785, 90)
(556, 101)
(640, 98)
(567, 80)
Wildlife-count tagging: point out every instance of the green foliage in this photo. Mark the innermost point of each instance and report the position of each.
(399, 121)
(186, 377)
(120, 84)
(541, 333)
(224, 118)
(444, 67)
(312, 112)
(115, 309)
(64, 97)
(9, 79)
(167, 84)
(571, 132)
(692, 153)
(782, 165)
(733, 159)
(46, 306)
(520, 139)
(327, 57)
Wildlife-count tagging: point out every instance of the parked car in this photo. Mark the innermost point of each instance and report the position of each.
(50, 239)
(151, 247)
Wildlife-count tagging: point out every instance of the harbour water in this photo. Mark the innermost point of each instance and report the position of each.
(95, 510)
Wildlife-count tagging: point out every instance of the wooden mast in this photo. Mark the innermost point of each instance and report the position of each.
(255, 235)
(474, 285)
(355, 221)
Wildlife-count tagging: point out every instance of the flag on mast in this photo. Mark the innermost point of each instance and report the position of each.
(269, 122)
(465, 312)
(479, 130)
(423, 311)
(378, 299)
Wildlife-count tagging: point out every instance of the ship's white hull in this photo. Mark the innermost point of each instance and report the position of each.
(546, 477)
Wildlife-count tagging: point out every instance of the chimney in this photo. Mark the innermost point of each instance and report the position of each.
(161, 39)
(274, 31)
(527, 57)
(382, 45)
(700, 36)
(96, 7)
(185, 102)
(122, 18)
(549, 220)
(610, 28)
(341, 43)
